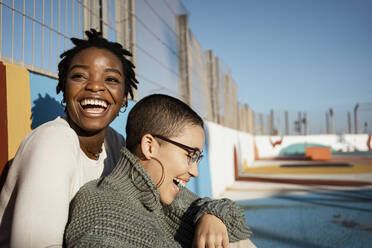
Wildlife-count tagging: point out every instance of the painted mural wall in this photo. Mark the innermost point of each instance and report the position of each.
(229, 149)
(272, 146)
(31, 100)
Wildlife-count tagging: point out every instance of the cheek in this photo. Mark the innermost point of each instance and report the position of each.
(70, 91)
(118, 90)
(177, 165)
(117, 95)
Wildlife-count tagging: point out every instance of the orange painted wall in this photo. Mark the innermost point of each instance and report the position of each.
(3, 119)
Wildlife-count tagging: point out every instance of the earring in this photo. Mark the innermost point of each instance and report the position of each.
(124, 109)
(63, 103)
(157, 184)
(162, 173)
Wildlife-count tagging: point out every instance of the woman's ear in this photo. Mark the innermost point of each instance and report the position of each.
(124, 103)
(149, 146)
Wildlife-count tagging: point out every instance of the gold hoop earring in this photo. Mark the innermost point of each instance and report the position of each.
(157, 184)
(62, 103)
(162, 173)
(124, 109)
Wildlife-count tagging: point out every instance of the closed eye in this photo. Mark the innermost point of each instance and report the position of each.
(112, 79)
(77, 76)
(193, 156)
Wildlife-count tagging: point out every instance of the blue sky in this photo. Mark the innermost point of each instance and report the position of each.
(291, 55)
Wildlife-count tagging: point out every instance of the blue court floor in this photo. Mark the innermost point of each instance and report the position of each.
(321, 218)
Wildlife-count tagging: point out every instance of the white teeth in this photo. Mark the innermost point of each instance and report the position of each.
(93, 102)
(180, 182)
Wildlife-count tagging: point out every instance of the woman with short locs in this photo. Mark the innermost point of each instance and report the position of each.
(60, 156)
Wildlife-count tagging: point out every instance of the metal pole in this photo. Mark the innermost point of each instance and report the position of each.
(349, 122)
(261, 124)
(356, 118)
(271, 122)
(286, 119)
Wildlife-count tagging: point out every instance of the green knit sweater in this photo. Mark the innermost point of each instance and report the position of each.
(114, 211)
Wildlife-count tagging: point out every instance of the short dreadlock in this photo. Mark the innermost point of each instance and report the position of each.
(95, 39)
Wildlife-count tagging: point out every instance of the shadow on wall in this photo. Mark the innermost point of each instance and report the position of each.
(45, 109)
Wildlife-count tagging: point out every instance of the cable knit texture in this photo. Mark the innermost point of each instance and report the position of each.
(123, 209)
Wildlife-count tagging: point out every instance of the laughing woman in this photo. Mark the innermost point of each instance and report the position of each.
(143, 202)
(57, 158)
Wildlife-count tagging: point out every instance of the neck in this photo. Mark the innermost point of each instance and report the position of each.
(92, 147)
(90, 142)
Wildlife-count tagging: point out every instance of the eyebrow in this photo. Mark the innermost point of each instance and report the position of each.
(79, 66)
(87, 67)
(113, 70)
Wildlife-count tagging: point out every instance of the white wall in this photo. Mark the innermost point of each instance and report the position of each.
(221, 142)
(356, 142)
(344, 143)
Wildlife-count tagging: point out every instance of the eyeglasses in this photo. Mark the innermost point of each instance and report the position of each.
(194, 154)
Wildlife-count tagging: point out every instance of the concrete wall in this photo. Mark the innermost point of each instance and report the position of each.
(226, 145)
(342, 143)
(356, 141)
(223, 143)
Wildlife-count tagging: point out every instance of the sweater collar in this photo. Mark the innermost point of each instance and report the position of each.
(131, 178)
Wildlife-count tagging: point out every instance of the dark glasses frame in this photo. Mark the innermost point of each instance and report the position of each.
(189, 149)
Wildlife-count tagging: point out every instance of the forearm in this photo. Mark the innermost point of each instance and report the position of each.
(188, 208)
(229, 212)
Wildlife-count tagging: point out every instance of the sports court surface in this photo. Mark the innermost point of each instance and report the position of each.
(294, 202)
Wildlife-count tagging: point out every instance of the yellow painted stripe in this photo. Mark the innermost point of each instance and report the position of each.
(18, 106)
(276, 169)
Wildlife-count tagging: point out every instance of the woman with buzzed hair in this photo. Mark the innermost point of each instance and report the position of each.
(144, 202)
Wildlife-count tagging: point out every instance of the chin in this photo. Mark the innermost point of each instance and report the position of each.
(95, 125)
(166, 201)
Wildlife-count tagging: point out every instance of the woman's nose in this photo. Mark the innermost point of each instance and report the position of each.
(95, 84)
(194, 171)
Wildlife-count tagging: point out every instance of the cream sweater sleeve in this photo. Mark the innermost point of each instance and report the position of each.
(45, 162)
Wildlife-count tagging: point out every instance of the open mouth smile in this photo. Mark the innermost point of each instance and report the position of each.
(94, 106)
(179, 182)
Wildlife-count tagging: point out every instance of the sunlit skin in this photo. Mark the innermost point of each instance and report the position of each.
(174, 159)
(94, 94)
(210, 230)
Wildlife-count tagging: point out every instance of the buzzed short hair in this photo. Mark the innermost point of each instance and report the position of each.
(159, 114)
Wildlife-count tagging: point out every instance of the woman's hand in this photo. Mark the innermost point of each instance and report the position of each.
(210, 232)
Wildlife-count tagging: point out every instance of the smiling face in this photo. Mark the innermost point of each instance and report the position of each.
(94, 91)
(177, 171)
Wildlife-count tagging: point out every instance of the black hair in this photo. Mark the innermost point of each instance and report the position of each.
(159, 114)
(95, 39)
